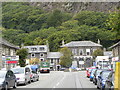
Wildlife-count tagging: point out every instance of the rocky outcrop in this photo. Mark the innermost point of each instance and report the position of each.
(75, 7)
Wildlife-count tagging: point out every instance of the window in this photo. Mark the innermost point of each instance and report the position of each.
(88, 53)
(32, 55)
(51, 60)
(81, 51)
(42, 48)
(58, 61)
(33, 49)
(41, 54)
(41, 59)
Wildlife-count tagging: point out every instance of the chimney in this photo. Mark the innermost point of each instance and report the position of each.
(98, 41)
(63, 43)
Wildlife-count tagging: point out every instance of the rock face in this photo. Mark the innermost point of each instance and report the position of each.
(75, 7)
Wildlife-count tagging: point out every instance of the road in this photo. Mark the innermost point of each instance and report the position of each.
(60, 79)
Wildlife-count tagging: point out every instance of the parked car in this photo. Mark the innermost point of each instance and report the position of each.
(33, 68)
(7, 79)
(96, 74)
(22, 74)
(110, 81)
(35, 76)
(88, 71)
(92, 74)
(102, 79)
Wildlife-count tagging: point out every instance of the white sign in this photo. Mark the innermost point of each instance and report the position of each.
(11, 58)
(81, 62)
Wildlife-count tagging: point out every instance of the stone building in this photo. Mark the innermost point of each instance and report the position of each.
(116, 51)
(82, 52)
(54, 58)
(8, 50)
(38, 51)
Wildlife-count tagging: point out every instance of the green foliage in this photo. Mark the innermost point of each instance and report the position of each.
(98, 52)
(91, 18)
(56, 18)
(66, 59)
(113, 22)
(23, 53)
(55, 39)
(24, 23)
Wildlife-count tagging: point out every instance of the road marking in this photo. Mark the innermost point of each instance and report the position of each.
(59, 82)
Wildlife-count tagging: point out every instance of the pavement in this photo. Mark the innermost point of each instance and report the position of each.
(60, 79)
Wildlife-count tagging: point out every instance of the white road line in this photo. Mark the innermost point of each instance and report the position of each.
(59, 82)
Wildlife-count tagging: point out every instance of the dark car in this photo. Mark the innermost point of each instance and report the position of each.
(7, 79)
(110, 81)
(96, 74)
(102, 79)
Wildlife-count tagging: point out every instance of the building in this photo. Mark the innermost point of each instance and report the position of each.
(8, 50)
(38, 51)
(116, 52)
(82, 52)
(42, 53)
(54, 58)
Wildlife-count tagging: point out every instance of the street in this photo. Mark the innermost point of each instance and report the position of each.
(60, 79)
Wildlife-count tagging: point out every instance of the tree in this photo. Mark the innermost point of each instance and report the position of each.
(34, 61)
(66, 59)
(113, 22)
(98, 52)
(23, 53)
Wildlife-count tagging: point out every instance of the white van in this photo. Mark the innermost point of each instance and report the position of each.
(22, 75)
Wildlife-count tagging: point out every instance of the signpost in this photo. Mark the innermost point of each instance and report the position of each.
(10, 60)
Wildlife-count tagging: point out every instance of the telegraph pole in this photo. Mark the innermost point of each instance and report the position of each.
(0, 35)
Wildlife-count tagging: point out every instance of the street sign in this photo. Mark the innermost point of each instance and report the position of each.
(10, 59)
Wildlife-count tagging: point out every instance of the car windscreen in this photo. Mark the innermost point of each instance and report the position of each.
(105, 74)
(98, 72)
(18, 70)
(2, 74)
(93, 70)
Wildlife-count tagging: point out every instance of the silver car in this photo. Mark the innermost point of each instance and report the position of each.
(22, 74)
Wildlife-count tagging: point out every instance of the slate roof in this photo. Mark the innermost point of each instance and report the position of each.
(115, 45)
(54, 55)
(37, 46)
(81, 43)
(6, 43)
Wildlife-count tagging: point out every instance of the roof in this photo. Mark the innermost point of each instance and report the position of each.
(81, 43)
(46, 48)
(54, 55)
(6, 43)
(115, 45)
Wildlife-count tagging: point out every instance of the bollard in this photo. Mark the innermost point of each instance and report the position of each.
(117, 77)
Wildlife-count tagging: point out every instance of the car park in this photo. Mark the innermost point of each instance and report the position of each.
(7, 79)
(102, 79)
(110, 81)
(22, 74)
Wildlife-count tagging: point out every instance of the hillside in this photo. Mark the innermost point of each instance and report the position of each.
(75, 7)
(34, 23)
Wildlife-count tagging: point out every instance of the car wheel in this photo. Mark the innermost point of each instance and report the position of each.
(6, 86)
(38, 79)
(15, 85)
(30, 81)
(25, 82)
